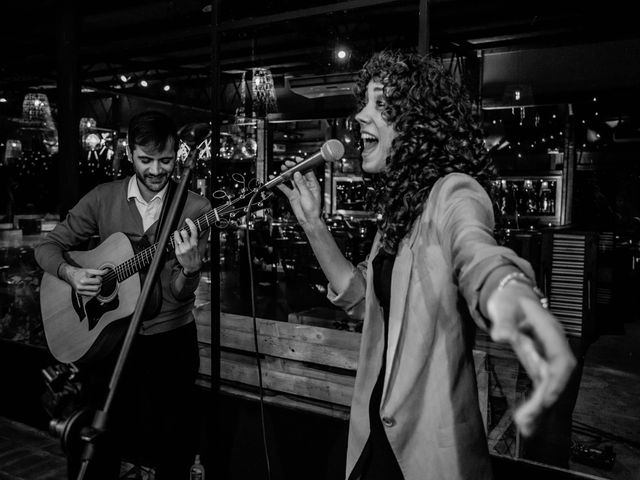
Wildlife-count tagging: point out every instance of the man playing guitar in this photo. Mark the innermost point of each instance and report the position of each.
(152, 415)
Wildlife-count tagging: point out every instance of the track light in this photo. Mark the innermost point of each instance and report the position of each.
(342, 53)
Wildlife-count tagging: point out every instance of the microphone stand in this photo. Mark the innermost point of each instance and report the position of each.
(90, 435)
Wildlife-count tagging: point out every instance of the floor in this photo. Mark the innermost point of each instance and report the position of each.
(27, 453)
(607, 412)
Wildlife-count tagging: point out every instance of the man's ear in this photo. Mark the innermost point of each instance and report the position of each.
(129, 154)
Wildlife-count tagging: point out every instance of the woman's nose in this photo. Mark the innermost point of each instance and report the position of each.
(362, 117)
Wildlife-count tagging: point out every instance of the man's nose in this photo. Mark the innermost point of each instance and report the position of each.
(154, 168)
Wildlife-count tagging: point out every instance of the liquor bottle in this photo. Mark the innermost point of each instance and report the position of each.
(196, 472)
(503, 197)
(546, 200)
(530, 197)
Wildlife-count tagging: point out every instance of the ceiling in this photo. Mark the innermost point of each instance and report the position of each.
(169, 42)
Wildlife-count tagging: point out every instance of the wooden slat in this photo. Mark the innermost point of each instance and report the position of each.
(283, 375)
(325, 346)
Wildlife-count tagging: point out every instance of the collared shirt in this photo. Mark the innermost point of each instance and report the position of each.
(149, 211)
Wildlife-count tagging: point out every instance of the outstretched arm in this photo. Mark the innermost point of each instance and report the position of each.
(499, 288)
(518, 318)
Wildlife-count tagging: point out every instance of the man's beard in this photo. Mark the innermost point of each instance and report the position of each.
(146, 180)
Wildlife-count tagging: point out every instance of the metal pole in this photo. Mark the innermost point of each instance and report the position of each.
(568, 167)
(68, 100)
(214, 248)
(423, 27)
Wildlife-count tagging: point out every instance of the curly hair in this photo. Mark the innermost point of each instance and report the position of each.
(436, 134)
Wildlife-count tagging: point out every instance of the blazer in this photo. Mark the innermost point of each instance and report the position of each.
(430, 402)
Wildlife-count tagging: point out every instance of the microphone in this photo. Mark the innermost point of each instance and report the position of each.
(331, 151)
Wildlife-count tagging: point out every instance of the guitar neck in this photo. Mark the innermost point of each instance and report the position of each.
(204, 222)
(143, 259)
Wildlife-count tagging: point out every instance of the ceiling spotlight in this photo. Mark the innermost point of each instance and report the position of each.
(166, 88)
(3, 100)
(341, 54)
(144, 83)
(124, 78)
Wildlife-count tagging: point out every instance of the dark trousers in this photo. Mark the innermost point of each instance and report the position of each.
(153, 419)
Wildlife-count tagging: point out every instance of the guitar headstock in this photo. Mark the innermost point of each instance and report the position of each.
(236, 207)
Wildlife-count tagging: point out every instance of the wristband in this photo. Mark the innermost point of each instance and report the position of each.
(190, 275)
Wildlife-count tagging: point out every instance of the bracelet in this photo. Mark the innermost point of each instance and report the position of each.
(522, 278)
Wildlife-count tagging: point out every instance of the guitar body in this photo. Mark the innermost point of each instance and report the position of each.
(81, 330)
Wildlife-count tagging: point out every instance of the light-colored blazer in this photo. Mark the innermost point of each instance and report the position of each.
(429, 401)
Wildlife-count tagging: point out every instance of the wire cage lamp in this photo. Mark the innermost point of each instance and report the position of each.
(264, 92)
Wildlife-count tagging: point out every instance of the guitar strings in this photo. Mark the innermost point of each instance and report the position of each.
(132, 265)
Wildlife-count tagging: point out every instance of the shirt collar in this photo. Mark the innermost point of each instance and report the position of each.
(133, 191)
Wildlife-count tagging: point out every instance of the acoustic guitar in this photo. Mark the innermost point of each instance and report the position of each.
(82, 329)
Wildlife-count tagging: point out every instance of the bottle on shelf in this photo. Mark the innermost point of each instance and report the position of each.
(503, 197)
(196, 472)
(531, 204)
(546, 199)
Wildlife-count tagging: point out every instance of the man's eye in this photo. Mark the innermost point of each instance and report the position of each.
(381, 103)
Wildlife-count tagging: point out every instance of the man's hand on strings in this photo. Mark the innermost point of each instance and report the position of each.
(186, 248)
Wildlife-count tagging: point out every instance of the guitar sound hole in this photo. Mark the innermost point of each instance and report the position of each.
(109, 285)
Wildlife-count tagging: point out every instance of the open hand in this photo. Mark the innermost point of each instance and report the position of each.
(539, 342)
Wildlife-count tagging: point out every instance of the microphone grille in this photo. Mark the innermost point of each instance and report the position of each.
(332, 150)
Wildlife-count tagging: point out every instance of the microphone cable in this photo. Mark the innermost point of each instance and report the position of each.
(331, 150)
(255, 335)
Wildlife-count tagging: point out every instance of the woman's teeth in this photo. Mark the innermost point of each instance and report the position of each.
(368, 141)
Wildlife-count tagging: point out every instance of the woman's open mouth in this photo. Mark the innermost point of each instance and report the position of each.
(369, 143)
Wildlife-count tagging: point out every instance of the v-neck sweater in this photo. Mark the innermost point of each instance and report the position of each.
(106, 210)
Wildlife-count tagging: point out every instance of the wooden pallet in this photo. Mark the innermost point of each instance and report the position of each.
(305, 367)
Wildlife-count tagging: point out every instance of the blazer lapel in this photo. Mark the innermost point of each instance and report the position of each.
(400, 279)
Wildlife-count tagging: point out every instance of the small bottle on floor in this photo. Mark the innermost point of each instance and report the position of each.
(197, 470)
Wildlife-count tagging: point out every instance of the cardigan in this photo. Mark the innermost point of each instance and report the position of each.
(429, 401)
(106, 210)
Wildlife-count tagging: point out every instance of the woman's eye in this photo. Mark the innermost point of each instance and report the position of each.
(381, 103)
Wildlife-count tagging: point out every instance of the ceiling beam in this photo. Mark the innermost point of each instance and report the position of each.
(304, 13)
